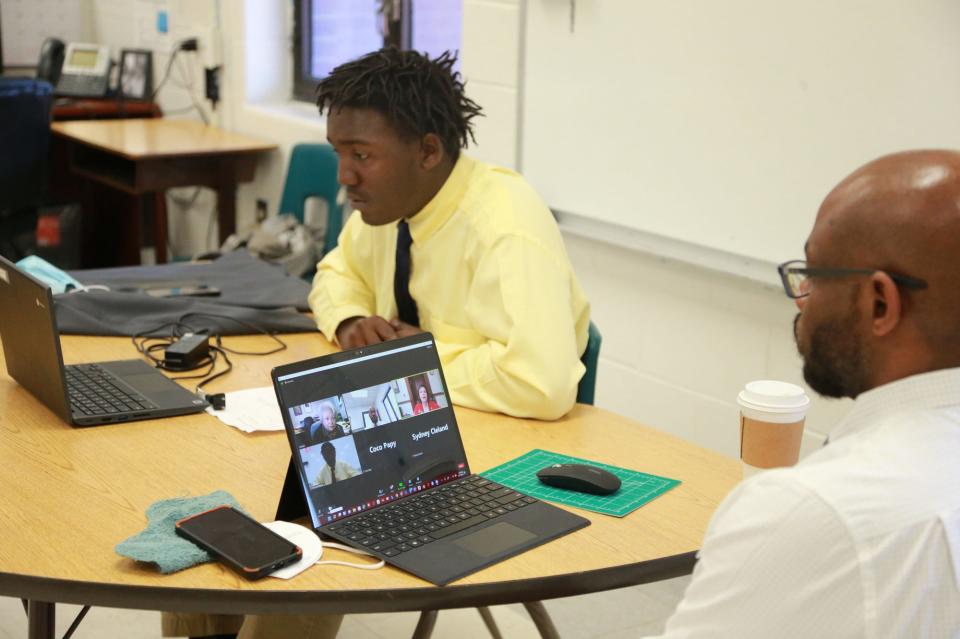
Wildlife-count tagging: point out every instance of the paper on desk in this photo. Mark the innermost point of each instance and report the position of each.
(251, 410)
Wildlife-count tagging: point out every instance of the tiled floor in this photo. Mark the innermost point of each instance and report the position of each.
(629, 612)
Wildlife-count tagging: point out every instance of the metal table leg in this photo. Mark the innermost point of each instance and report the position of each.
(41, 619)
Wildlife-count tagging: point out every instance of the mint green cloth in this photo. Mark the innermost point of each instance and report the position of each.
(159, 542)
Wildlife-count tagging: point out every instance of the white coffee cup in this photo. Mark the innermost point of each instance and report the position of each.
(772, 415)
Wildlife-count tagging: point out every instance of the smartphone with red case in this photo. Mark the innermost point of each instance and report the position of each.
(239, 541)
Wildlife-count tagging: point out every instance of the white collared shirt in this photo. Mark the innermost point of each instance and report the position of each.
(861, 539)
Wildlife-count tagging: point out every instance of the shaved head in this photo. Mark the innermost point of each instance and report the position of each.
(901, 209)
(899, 214)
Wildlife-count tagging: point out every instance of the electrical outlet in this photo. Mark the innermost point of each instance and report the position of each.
(211, 84)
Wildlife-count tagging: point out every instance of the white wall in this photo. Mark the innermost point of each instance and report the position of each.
(679, 340)
(491, 66)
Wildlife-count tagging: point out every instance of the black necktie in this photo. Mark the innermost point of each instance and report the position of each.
(406, 307)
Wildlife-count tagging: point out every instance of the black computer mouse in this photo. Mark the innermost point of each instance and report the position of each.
(580, 477)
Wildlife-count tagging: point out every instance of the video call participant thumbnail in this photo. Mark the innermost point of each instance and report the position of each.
(334, 470)
(424, 403)
(325, 429)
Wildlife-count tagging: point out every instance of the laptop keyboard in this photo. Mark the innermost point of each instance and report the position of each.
(93, 391)
(425, 517)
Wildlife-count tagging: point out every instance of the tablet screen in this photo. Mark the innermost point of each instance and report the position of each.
(370, 426)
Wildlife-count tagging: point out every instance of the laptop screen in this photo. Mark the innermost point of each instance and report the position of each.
(369, 426)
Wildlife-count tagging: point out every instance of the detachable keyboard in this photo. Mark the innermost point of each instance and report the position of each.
(425, 517)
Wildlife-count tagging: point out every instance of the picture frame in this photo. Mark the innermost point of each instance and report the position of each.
(135, 81)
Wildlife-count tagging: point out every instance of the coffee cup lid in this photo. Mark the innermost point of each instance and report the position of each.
(776, 397)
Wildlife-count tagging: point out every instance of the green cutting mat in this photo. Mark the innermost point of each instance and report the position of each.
(636, 488)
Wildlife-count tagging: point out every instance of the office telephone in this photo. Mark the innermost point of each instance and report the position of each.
(76, 69)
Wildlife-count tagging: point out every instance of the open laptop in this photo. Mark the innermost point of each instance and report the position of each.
(381, 466)
(81, 394)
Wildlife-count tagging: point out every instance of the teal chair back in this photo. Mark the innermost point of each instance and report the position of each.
(591, 356)
(312, 172)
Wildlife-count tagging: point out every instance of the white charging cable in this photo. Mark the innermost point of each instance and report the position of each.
(331, 544)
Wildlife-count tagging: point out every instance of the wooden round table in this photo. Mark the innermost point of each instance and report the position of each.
(71, 494)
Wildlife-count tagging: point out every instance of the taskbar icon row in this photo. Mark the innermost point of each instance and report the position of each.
(393, 493)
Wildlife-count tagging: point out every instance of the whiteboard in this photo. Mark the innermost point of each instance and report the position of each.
(723, 124)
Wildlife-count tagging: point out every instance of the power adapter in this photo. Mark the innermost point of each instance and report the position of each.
(211, 84)
(186, 353)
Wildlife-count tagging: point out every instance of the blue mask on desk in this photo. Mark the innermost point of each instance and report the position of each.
(58, 280)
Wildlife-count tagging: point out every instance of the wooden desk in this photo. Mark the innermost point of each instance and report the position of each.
(70, 495)
(148, 156)
(103, 109)
(106, 211)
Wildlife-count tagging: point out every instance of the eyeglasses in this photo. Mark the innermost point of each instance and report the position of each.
(795, 275)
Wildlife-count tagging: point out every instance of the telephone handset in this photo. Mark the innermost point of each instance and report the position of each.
(51, 60)
(75, 69)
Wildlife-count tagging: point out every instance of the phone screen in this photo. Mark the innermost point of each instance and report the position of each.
(245, 543)
(85, 58)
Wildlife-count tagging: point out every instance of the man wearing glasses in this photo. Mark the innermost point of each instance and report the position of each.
(862, 538)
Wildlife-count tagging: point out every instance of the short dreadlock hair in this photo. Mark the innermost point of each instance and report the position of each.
(416, 94)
